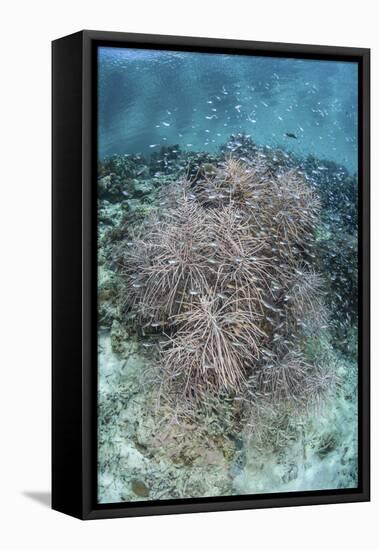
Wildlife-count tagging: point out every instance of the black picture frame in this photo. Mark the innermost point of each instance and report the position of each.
(74, 275)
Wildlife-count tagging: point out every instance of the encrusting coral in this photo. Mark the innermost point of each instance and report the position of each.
(224, 276)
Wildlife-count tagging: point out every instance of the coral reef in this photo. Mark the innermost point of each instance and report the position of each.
(227, 289)
(225, 276)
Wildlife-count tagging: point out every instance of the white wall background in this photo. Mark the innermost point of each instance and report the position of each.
(26, 31)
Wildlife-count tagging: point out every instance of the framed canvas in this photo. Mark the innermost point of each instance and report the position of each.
(210, 275)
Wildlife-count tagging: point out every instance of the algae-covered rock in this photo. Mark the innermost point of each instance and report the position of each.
(133, 205)
(141, 188)
(119, 337)
(140, 488)
(106, 285)
(111, 188)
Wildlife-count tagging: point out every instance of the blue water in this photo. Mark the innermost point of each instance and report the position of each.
(149, 98)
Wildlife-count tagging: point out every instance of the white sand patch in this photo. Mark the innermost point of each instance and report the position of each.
(141, 460)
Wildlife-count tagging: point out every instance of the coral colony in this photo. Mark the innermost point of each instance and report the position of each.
(227, 315)
(226, 277)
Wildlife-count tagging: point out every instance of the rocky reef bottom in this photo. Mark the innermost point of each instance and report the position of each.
(145, 453)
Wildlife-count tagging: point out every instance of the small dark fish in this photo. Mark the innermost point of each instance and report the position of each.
(291, 135)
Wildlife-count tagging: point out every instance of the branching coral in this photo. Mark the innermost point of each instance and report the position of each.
(164, 266)
(304, 305)
(217, 340)
(240, 260)
(286, 378)
(225, 273)
(234, 183)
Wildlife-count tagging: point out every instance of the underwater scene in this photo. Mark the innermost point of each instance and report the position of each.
(227, 275)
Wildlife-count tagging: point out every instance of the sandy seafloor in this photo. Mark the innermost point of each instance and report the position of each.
(139, 461)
